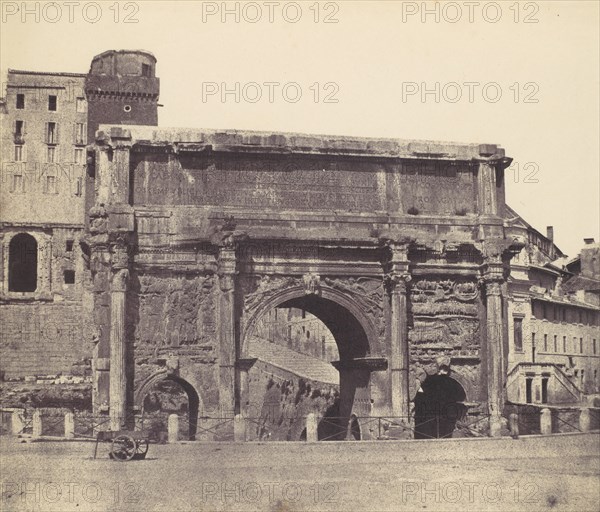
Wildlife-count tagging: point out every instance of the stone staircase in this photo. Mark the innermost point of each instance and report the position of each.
(292, 361)
(522, 370)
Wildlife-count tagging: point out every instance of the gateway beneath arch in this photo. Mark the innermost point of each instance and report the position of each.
(398, 247)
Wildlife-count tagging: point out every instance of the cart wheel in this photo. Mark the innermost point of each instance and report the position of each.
(141, 449)
(123, 448)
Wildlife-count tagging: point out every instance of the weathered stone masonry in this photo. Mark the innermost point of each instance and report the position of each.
(398, 247)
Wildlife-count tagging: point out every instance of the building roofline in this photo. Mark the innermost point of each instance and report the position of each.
(564, 302)
(319, 143)
(511, 212)
(44, 73)
(108, 52)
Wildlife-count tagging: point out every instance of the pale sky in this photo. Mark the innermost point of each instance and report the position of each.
(547, 117)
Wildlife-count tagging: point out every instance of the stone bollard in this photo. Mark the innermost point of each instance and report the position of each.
(173, 428)
(585, 420)
(513, 422)
(312, 427)
(37, 423)
(495, 425)
(17, 422)
(239, 428)
(546, 421)
(69, 425)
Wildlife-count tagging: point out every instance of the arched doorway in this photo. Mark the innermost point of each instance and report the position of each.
(350, 337)
(22, 263)
(171, 395)
(439, 404)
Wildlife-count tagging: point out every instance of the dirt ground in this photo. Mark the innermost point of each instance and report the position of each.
(555, 473)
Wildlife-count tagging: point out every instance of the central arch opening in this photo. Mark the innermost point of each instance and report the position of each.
(295, 343)
(439, 404)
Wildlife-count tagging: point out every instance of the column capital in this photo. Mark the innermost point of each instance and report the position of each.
(397, 282)
(492, 285)
(119, 281)
(119, 250)
(398, 247)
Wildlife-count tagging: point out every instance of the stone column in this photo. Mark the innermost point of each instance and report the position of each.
(118, 374)
(227, 332)
(399, 360)
(495, 352)
(397, 284)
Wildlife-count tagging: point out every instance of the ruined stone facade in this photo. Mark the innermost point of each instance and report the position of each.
(398, 247)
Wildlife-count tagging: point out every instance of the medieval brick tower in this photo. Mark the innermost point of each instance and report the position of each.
(121, 88)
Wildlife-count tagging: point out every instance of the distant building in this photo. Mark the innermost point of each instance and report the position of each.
(44, 137)
(554, 315)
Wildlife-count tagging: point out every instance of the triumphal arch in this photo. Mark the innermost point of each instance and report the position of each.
(397, 246)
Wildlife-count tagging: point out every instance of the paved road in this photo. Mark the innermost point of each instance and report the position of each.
(530, 474)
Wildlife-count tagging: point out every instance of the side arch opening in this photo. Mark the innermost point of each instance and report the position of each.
(439, 404)
(171, 395)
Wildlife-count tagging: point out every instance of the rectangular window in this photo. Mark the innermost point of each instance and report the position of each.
(594, 347)
(518, 333)
(19, 128)
(555, 343)
(17, 185)
(51, 155)
(50, 185)
(565, 344)
(545, 343)
(79, 133)
(52, 103)
(69, 276)
(581, 345)
(528, 390)
(69, 246)
(51, 133)
(18, 153)
(145, 70)
(545, 390)
(79, 156)
(80, 103)
(544, 311)
(20, 101)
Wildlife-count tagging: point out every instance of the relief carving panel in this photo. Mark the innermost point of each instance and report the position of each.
(444, 319)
